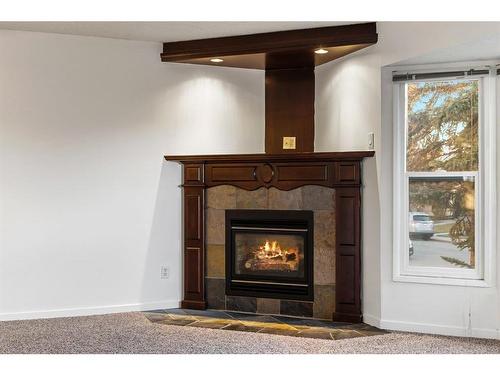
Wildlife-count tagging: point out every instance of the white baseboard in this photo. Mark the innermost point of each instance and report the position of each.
(85, 311)
(435, 329)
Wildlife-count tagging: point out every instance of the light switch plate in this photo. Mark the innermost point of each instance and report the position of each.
(371, 141)
(289, 143)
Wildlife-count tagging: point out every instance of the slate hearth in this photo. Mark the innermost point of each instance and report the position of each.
(271, 324)
(320, 200)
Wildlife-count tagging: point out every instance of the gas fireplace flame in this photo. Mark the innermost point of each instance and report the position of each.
(270, 256)
(272, 250)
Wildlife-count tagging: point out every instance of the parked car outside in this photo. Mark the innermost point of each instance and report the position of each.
(421, 225)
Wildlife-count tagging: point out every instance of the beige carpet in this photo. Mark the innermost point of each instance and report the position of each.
(134, 333)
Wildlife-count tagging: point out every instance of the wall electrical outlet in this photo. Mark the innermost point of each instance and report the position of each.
(371, 141)
(289, 143)
(164, 272)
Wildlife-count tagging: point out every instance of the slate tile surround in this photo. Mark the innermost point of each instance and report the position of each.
(316, 198)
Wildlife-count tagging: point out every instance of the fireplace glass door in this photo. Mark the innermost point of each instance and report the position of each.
(269, 253)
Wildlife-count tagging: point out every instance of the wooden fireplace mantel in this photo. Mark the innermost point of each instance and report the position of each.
(302, 156)
(338, 170)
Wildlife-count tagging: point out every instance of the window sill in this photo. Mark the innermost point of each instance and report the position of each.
(441, 281)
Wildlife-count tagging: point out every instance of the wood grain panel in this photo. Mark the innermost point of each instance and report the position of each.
(345, 280)
(293, 175)
(194, 247)
(192, 214)
(308, 157)
(290, 109)
(284, 176)
(348, 254)
(192, 259)
(241, 175)
(303, 172)
(232, 173)
(346, 211)
(348, 173)
(193, 174)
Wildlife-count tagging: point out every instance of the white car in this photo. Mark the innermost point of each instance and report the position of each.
(420, 225)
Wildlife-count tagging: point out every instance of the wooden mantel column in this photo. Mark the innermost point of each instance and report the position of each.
(194, 237)
(338, 170)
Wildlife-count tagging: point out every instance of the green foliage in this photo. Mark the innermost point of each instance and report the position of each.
(443, 126)
(443, 135)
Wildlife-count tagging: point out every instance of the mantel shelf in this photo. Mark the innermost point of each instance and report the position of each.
(263, 158)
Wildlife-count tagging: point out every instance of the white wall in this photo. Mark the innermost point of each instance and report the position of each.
(354, 97)
(89, 211)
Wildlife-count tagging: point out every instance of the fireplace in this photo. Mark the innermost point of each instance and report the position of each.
(269, 253)
(328, 184)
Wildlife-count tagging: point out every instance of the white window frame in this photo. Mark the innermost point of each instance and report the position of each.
(484, 186)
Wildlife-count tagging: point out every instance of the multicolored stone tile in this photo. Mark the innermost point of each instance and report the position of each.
(324, 229)
(324, 301)
(212, 323)
(216, 260)
(318, 198)
(215, 227)
(279, 331)
(316, 333)
(255, 199)
(302, 324)
(177, 322)
(238, 303)
(155, 317)
(216, 293)
(296, 308)
(324, 266)
(285, 200)
(275, 324)
(339, 334)
(246, 317)
(221, 197)
(242, 327)
(268, 306)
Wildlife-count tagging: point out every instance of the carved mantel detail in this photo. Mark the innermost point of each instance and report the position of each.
(339, 170)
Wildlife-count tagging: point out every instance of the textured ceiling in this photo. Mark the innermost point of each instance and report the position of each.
(161, 31)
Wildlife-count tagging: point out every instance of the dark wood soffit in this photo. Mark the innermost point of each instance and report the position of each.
(263, 158)
(289, 109)
(254, 50)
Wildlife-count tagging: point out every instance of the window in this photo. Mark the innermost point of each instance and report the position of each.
(442, 191)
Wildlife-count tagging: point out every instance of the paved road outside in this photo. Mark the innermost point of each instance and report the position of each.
(429, 253)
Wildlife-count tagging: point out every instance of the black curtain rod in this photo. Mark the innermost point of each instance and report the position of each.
(458, 73)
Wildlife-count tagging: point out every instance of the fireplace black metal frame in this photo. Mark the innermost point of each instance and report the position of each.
(255, 221)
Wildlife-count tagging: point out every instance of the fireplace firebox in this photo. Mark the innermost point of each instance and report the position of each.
(269, 253)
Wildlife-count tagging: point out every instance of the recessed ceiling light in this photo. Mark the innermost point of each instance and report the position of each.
(216, 60)
(321, 51)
